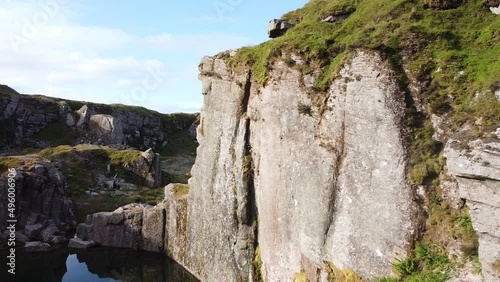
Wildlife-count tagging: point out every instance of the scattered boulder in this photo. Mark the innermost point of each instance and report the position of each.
(496, 11)
(57, 240)
(278, 27)
(148, 155)
(78, 243)
(32, 231)
(335, 18)
(444, 4)
(491, 3)
(39, 169)
(36, 246)
(21, 238)
(49, 231)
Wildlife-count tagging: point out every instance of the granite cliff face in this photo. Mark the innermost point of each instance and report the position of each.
(308, 185)
(475, 165)
(34, 120)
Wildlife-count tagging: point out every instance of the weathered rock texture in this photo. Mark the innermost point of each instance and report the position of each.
(23, 116)
(43, 210)
(318, 184)
(476, 167)
(175, 225)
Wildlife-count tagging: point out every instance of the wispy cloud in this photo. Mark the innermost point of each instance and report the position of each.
(69, 60)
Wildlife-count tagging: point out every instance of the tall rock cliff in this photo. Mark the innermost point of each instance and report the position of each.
(320, 152)
(318, 184)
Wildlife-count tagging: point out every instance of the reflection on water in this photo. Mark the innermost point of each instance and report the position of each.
(100, 264)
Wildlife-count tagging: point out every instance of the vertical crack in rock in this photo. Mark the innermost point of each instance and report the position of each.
(336, 189)
(164, 229)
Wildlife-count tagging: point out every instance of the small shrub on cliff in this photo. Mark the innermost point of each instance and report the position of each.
(426, 263)
(257, 264)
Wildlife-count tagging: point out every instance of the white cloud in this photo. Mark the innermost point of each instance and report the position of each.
(60, 58)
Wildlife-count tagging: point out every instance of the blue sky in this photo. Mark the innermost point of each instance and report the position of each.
(125, 52)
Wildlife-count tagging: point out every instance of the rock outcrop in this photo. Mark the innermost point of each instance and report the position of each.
(278, 27)
(476, 167)
(134, 226)
(43, 210)
(33, 119)
(264, 162)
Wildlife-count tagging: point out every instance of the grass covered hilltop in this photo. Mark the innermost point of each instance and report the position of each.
(455, 50)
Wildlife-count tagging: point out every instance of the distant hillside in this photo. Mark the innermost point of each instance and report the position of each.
(41, 121)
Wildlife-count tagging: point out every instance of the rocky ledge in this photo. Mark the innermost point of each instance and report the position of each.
(139, 226)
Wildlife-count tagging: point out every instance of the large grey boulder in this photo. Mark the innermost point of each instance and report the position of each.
(134, 226)
(278, 27)
(476, 167)
(36, 246)
(32, 231)
(77, 243)
(106, 128)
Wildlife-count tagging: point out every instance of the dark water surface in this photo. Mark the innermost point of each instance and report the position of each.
(99, 264)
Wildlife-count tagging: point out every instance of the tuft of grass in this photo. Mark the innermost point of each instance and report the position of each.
(8, 162)
(180, 191)
(344, 275)
(123, 157)
(425, 153)
(426, 263)
(257, 265)
(300, 277)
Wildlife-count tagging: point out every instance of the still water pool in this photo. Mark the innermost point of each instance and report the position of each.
(99, 264)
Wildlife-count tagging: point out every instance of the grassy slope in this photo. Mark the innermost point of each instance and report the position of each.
(465, 39)
(456, 51)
